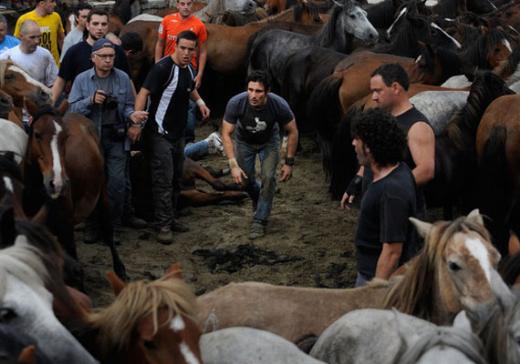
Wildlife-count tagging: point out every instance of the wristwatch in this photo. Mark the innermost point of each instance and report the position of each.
(289, 161)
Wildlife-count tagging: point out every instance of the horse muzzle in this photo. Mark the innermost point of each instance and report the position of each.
(55, 185)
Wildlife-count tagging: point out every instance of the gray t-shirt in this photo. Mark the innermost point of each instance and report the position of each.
(257, 125)
(74, 37)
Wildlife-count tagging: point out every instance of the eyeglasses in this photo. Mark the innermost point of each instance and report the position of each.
(105, 56)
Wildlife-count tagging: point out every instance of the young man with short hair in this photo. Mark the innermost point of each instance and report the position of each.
(170, 84)
(257, 116)
(384, 238)
(76, 34)
(51, 28)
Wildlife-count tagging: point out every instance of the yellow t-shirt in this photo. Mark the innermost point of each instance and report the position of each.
(50, 27)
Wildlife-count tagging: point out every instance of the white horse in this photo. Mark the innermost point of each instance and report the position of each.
(13, 139)
(27, 306)
(210, 12)
(387, 337)
(238, 345)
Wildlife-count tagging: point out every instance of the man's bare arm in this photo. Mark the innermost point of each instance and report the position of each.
(421, 141)
(388, 260)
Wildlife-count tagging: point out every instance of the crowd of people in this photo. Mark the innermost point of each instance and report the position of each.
(394, 143)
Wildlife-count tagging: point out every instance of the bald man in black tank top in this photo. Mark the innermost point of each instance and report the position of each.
(389, 86)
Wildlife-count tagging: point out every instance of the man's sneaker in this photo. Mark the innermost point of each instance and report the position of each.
(135, 222)
(256, 231)
(165, 236)
(214, 143)
(179, 227)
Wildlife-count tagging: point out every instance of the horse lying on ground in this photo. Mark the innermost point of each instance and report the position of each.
(438, 280)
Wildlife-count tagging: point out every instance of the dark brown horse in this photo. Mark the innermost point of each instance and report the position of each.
(498, 139)
(64, 155)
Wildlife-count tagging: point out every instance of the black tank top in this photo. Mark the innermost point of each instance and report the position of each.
(406, 120)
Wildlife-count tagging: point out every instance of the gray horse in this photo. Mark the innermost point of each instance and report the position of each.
(388, 337)
(238, 345)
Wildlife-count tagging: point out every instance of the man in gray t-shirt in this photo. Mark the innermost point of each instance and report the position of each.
(257, 116)
(76, 34)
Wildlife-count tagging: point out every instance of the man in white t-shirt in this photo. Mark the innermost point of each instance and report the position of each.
(76, 34)
(33, 59)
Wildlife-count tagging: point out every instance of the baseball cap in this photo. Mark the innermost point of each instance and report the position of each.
(102, 43)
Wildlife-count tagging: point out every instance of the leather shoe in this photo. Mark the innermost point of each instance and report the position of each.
(178, 227)
(135, 222)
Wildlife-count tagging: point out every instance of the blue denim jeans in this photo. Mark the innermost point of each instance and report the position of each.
(196, 150)
(189, 132)
(262, 193)
(116, 168)
(361, 280)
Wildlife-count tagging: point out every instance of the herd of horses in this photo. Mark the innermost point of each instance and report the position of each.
(450, 303)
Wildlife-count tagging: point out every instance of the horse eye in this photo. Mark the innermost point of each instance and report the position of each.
(9, 76)
(352, 16)
(6, 314)
(38, 136)
(497, 50)
(454, 266)
(150, 345)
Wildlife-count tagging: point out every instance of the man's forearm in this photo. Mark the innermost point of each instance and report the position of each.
(387, 264)
(423, 174)
(57, 88)
(227, 142)
(292, 143)
(159, 49)
(203, 56)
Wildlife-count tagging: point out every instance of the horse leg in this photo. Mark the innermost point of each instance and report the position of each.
(196, 197)
(107, 232)
(60, 222)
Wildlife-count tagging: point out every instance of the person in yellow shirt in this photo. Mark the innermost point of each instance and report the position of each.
(50, 26)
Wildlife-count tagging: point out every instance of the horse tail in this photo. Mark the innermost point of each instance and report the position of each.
(324, 112)
(494, 189)
(344, 164)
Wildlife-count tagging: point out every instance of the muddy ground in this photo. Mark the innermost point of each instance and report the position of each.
(309, 240)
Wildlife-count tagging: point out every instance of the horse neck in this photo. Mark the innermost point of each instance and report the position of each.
(403, 44)
(332, 35)
(214, 8)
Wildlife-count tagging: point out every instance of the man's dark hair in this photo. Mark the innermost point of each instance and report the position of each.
(393, 72)
(97, 11)
(132, 41)
(260, 77)
(379, 131)
(188, 35)
(81, 6)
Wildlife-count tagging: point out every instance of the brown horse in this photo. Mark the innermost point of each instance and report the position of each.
(65, 155)
(148, 323)
(227, 46)
(498, 138)
(444, 276)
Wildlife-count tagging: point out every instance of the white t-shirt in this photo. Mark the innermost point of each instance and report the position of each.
(39, 65)
(75, 36)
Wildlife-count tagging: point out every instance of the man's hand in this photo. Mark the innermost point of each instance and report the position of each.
(134, 133)
(237, 174)
(286, 173)
(198, 80)
(346, 200)
(353, 190)
(99, 97)
(139, 116)
(204, 110)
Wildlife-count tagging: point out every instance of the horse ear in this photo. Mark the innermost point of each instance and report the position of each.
(462, 322)
(423, 228)
(475, 217)
(27, 355)
(117, 283)
(174, 271)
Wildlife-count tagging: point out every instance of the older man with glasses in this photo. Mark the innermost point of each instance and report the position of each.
(105, 95)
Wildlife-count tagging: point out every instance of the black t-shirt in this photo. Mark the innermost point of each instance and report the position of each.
(383, 218)
(406, 120)
(170, 87)
(257, 125)
(78, 59)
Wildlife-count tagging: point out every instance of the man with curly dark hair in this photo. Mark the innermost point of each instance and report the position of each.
(389, 86)
(385, 238)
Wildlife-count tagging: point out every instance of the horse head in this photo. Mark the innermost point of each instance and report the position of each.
(46, 147)
(151, 322)
(26, 302)
(349, 18)
(20, 86)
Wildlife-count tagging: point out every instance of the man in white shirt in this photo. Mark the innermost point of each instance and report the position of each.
(33, 59)
(76, 34)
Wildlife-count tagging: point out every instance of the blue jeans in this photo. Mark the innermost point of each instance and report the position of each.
(361, 280)
(189, 132)
(115, 170)
(196, 150)
(261, 193)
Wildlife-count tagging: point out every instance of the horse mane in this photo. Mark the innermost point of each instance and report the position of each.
(463, 126)
(465, 342)
(414, 294)
(476, 54)
(45, 110)
(328, 34)
(117, 322)
(497, 336)
(404, 37)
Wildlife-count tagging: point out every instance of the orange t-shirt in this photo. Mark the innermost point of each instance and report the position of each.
(173, 24)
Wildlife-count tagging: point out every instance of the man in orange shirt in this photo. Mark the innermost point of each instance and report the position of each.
(172, 25)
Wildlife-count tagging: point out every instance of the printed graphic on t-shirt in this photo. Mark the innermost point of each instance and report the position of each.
(259, 126)
(46, 41)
